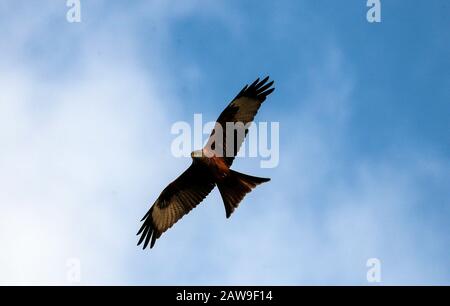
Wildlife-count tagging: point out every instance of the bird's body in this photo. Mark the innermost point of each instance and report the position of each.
(210, 167)
(216, 165)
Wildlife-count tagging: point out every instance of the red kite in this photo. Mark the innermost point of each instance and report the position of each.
(210, 168)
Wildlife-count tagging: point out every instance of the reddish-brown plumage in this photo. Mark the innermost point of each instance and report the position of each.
(217, 165)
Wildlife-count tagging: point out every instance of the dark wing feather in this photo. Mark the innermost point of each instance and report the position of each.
(242, 109)
(175, 201)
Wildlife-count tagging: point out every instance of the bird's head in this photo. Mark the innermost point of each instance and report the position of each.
(197, 154)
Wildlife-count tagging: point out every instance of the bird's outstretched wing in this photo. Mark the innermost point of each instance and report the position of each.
(241, 110)
(176, 200)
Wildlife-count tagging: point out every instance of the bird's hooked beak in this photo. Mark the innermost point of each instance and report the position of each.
(197, 154)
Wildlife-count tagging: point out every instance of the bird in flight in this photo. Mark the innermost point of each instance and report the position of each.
(210, 167)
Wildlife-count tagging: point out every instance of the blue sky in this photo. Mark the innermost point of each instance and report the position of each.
(85, 116)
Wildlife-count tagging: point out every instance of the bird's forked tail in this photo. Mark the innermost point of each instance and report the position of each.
(234, 188)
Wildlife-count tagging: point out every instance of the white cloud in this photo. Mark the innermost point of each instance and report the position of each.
(67, 162)
(77, 154)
